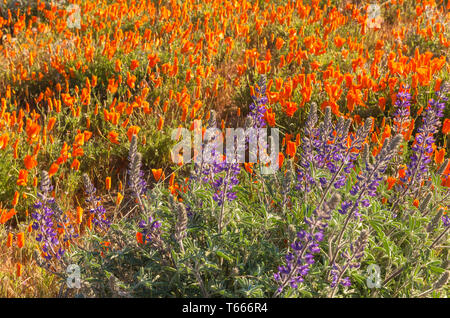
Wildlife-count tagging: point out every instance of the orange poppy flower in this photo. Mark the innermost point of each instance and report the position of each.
(75, 164)
(133, 130)
(51, 123)
(53, 169)
(160, 122)
(391, 182)
(157, 174)
(439, 156)
(79, 215)
(6, 216)
(19, 270)
(29, 162)
(108, 183)
(134, 65)
(9, 240)
(291, 148)
(20, 240)
(23, 176)
(402, 173)
(446, 126)
(119, 198)
(112, 136)
(139, 238)
(280, 159)
(248, 167)
(279, 43)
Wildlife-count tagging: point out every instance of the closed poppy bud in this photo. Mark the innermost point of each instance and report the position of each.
(9, 240)
(119, 198)
(280, 159)
(297, 140)
(416, 203)
(19, 270)
(160, 122)
(108, 183)
(20, 239)
(79, 215)
(89, 223)
(15, 199)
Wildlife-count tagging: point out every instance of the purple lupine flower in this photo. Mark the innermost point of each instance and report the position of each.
(422, 149)
(372, 175)
(258, 107)
(304, 247)
(326, 147)
(446, 220)
(352, 259)
(402, 110)
(48, 217)
(150, 230)
(96, 209)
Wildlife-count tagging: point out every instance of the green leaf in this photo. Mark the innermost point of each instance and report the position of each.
(224, 256)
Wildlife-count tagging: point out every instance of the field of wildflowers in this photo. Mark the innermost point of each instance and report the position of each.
(95, 95)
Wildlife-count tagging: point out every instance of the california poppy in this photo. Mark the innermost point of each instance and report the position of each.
(439, 156)
(20, 239)
(79, 215)
(446, 126)
(119, 198)
(9, 240)
(23, 176)
(291, 148)
(108, 183)
(19, 269)
(157, 174)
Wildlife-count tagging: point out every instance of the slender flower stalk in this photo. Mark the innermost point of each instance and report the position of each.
(135, 174)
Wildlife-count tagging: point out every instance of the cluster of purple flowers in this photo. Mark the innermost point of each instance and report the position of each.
(223, 186)
(370, 178)
(352, 259)
(96, 209)
(446, 220)
(402, 110)
(305, 246)
(325, 147)
(423, 145)
(221, 174)
(335, 280)
(48, 218)
(150, 229)
(258, 107)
